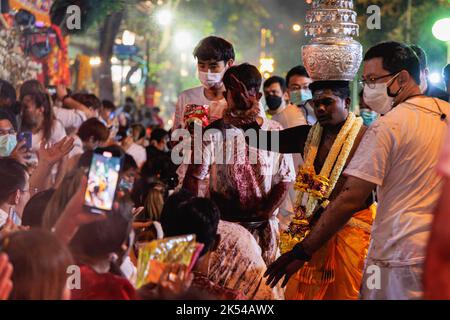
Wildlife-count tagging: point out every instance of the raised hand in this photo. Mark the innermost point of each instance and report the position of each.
(57, 152)
(20, 153)
(285, 266)
(61, 91)
(75, 215)
(174, 281)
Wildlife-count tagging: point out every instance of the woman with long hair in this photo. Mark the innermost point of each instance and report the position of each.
(40, 263)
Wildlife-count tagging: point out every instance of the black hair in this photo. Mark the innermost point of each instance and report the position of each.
(396, 57)
(93, 128)
(100, 238)
(141, 130)
(42, 100)
(339, 88)
(7, 91)
(296, 71)
(248, 74)
(5, 114)
(13, 177)
(31, 87)
(35, 208)
(199, 216)
(214, 48)
(129, 163)
(89, 100)
(422, 55)
(158, 135)
(275, 79)
(446, 72)
(109, 105)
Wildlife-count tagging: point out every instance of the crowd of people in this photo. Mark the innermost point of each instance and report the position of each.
(313, 200)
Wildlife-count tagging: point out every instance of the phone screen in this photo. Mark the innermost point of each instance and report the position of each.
(102, 182)
(28, 137)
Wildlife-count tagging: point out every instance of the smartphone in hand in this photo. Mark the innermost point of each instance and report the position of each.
(103, 180)
(28, 137)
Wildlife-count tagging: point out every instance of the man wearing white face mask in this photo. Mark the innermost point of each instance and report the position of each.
(298, 81)
(398, 155)
(214, 56)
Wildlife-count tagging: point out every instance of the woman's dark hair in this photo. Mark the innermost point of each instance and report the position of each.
(214, 48)
(199, 216)
(12, 177)
(40, 263)
(248, 74)
(139, 131)
(31, 87)
(129, 163)
(93, 128)
(296, 71)
(41, 100)
(99, 239)
(396, 57)
(34, 210)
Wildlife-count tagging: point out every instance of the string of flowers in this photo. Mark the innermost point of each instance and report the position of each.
(318, 188)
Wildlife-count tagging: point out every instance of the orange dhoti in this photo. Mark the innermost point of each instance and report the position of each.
(335, 271)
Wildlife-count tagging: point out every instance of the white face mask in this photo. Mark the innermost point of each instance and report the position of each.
(378, 98)
(211, 80)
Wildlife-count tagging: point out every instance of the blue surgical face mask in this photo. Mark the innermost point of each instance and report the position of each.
(369, 116)
(7, 144)
(299, 97)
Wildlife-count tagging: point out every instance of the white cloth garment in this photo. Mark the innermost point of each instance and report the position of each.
(58, 133)
(398, 283)
(197, 96)
(3, 217)
(70, 118)
(138, 153)
(291, 116)
(400, 154)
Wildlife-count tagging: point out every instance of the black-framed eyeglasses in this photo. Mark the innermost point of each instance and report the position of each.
(372, 81)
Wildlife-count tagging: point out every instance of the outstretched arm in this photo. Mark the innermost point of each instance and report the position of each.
(290, 140)
(349, 201)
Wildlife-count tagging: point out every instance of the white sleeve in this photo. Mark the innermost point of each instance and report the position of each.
(372, 159)
(70, 118)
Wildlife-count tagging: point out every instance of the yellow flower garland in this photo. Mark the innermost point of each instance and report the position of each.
(319, 188)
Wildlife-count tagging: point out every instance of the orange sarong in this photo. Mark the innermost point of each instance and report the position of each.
(335, 272)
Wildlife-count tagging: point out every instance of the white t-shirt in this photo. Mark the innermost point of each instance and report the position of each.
(138, 153)
(289, 117)
(58, 133)
(77, 147)
(70, 118)
(3, 217)
(400, 154)
(197, 96)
